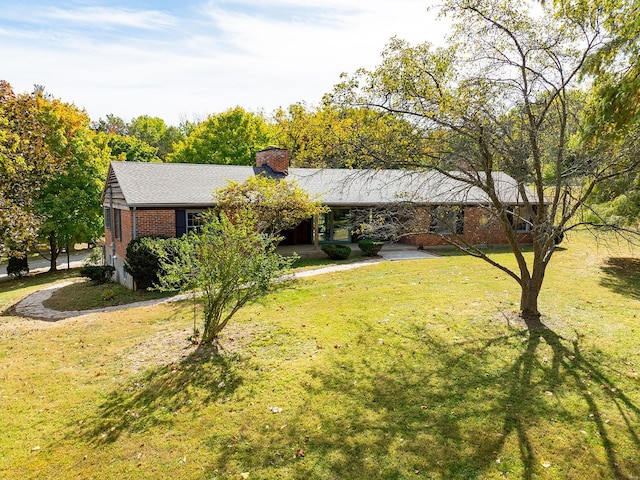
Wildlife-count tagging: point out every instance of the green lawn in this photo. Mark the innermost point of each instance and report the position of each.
(397, 370)
(88, 296)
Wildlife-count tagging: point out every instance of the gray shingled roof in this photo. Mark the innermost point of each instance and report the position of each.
(174, 184)
(183, 185)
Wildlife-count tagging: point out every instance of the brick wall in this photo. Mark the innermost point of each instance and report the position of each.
(156, 223)
(126, 219)
(479, 229)
(276, 158)
(127, 233)
(126, 222)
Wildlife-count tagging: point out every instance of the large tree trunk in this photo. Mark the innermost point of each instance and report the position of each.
(53, 251)
(529, 298)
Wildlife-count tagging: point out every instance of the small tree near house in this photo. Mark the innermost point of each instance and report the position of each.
(229, 261)
(276, 205)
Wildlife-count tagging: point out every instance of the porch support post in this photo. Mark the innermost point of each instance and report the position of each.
(316, 232)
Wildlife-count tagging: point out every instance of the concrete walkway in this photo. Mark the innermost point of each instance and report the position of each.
(33, 305)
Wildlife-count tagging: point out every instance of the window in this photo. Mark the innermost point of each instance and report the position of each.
(447, 220)
(335, 226)
(117, 223)
(519, 218)
(107, 218)
(194, 221)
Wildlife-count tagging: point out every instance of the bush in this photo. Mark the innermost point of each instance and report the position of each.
(336, 251)
(94, 258)
(229, 261)
(370, 248)
(17, 267)
(98, 273)
(142, 261)
(108, 294)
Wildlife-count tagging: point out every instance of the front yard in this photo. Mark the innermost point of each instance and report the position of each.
(414, 369)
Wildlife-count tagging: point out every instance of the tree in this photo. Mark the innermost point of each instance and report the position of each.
(29, 137)
(613, 111)
(276, 205)
(332, 137)
(124, 148)
(230, 138)
(153, 131)
(229, 261)
(615, 66)
(503, 82)
(69, 204)
(111, 124)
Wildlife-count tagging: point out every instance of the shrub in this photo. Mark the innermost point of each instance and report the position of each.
(94, 258)
(370, 248)
(98, 273)
(336, 251)
(142, 261)
(17, 267)
(108, 294)
(229, 261)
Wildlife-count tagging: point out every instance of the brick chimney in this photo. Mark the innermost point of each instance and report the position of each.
(275, 158)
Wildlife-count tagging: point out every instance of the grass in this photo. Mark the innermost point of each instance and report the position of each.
(88, 296)
(306, 263)
(397, 370)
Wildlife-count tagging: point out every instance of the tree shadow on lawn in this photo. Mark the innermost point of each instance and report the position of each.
(161, 393)
(622, 275)
(471, 412)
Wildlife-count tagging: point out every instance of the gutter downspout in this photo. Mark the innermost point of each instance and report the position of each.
(135, 227)
(135, 235)
(113, 242)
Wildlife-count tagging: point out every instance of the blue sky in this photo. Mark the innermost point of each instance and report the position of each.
(187, 59)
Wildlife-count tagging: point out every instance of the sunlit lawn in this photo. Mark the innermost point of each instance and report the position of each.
(411, 369)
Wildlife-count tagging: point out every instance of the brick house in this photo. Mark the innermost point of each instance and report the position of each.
(165, 199)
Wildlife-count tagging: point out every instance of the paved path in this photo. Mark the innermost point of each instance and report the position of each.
(33, 305)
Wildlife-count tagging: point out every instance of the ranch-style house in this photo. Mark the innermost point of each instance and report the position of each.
(165, 199)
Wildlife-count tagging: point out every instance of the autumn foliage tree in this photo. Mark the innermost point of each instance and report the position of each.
(275, 204)
(29, 137)
(343, 137)
(69, 204)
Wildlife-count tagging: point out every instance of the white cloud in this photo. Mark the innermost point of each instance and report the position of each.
(102, 16)
(253, 54)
